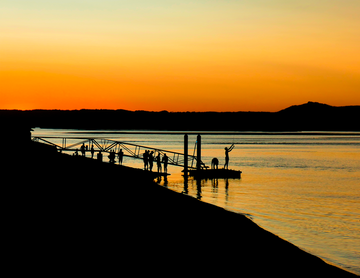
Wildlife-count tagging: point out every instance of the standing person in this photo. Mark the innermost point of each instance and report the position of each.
(111, 157)
(82, 149)
(92, 151)
(165, 160)
(158, 163)
(146, 159)
(120, 154)
(151, 160)
(227, 150)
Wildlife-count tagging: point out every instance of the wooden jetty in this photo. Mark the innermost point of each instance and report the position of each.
(83, 147)
(215, 173)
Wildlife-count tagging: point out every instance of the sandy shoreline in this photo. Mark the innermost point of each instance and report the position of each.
(72, 209)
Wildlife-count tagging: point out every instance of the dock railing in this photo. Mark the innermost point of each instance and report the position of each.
(73, 144)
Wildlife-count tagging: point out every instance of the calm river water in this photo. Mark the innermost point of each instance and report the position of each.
(303, 187)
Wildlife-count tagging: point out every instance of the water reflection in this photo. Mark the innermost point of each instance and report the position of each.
(186, 187)
(203, 182)
(198, 188)
(159, 180)
(226, 190)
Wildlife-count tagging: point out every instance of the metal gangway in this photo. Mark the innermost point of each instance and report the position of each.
(72, 144)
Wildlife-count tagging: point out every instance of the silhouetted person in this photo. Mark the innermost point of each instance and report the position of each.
(76, 152)
(227, 150)
(82, 149)
(165, 160)
(92, 151)
(151, 160)
(99, 156)
(146, 159)
(120, 155)
(214, 163)
(158, 163)
(111, 157)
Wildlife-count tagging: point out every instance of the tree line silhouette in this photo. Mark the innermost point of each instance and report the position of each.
(311, 116)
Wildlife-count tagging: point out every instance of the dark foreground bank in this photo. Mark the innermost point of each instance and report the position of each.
(71, 215)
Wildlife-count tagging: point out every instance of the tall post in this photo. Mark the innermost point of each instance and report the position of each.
(185, 155)
(198, 156)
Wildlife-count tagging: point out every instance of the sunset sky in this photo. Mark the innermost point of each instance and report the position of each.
(229, 55)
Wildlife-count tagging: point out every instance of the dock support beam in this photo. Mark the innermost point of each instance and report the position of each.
(186, 155)
(198, 153)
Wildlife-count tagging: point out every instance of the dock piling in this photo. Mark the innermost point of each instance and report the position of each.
(185, 155)
(198, 156)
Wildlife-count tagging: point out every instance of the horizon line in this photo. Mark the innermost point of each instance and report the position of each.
(166, 111)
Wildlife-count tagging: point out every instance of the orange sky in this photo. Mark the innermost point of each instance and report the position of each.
(179, 55)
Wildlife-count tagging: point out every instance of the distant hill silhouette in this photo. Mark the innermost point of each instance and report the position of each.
(308, 107)
(319, 116)
(310, 116)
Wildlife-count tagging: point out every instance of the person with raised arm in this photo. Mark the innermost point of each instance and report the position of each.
(227, 150)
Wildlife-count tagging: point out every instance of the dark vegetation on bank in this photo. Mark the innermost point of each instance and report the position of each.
(311, 116)
(67, 214)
